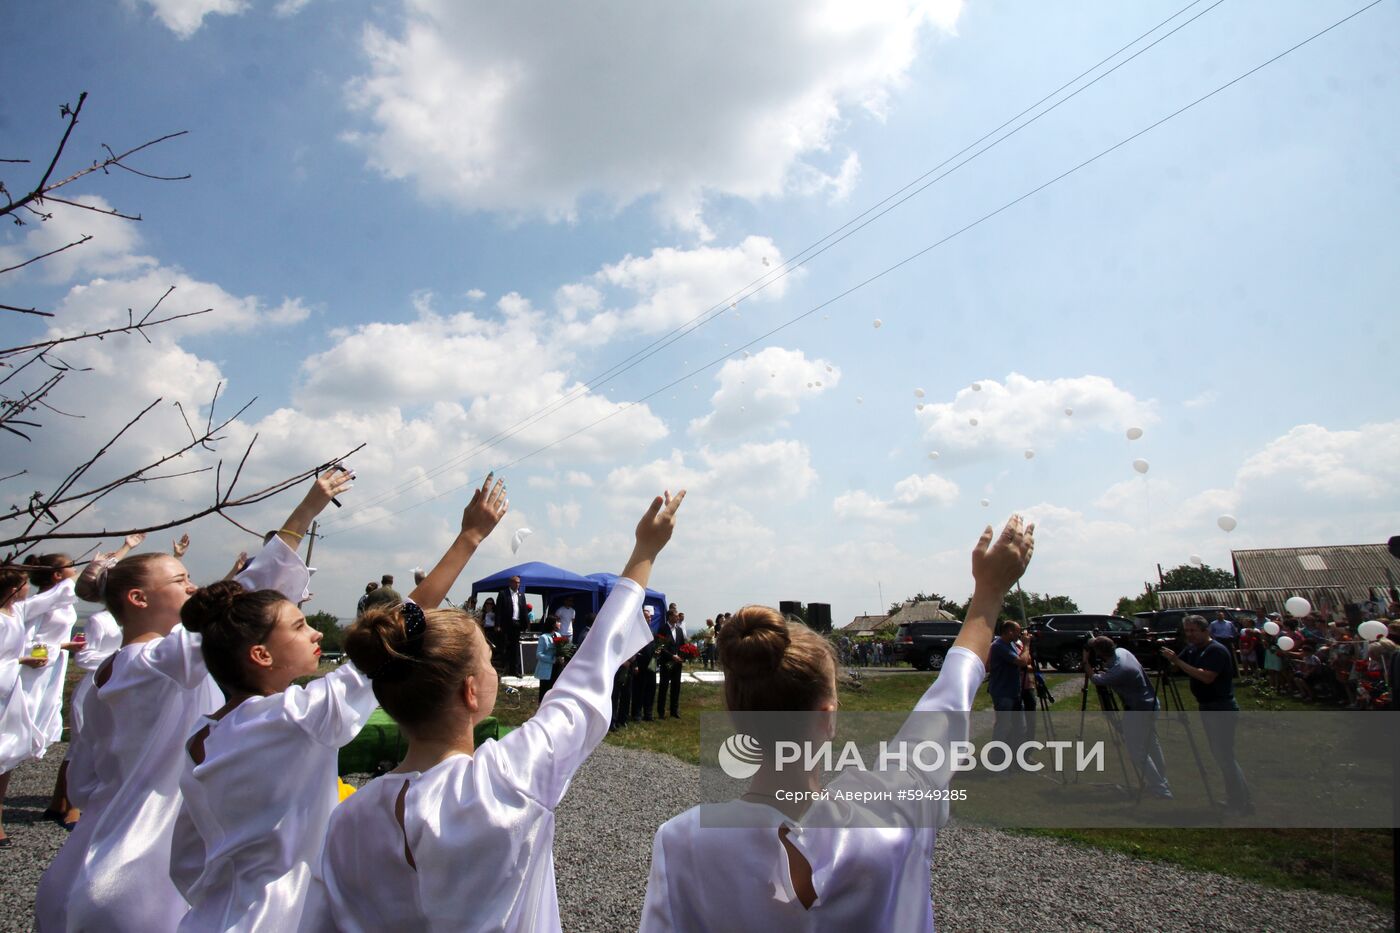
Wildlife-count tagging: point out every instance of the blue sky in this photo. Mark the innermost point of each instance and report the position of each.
(420, 222)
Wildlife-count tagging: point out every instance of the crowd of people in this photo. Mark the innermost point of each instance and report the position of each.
(1319, 659)
(206, 774)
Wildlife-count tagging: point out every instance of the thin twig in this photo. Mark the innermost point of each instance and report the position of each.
(110, 212)
(12, 351)
(26, 310)
(86, 237)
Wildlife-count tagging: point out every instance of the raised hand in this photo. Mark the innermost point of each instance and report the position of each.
(488, 506)
(333, 482)
(656, 526)
(180, 546)
(133, 541)
(997, 565)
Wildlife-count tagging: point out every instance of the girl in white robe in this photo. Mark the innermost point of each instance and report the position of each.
(113, 874)
(823, 865)
(259, 779)
(460, 837)
(19, 739)
(102, 638)
(53, 628)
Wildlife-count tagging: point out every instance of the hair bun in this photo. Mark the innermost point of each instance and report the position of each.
(210, 603)
(376, 638)
(753, 641)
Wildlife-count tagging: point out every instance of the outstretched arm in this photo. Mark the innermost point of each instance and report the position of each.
(653, 531)
(996, 566)
(479, 519)
(328, 485)
(86, 584)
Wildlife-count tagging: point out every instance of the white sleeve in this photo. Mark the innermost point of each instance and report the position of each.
(277, 567)
(178, 656)
(102, 638)
(57, 597)
(542, 755)
(332, 709)
(656, 909)
(186, 853)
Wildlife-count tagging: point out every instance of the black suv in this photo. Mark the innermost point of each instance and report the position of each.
(1060, 639)
(1162, 628)
(925, 644)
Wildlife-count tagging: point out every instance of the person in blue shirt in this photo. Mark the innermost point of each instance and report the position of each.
(1209, 666)
(1004, 668)
(1117, 669)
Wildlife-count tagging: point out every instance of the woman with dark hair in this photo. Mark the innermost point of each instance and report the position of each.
(259, 778)
(19, 739)
(785, 858)
(460, 836)
(113, 874)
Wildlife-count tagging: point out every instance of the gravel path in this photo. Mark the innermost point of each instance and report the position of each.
(981, 877)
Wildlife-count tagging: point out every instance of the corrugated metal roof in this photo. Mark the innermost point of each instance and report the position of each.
(864, 623)
(929, 610)
(1269, 599)
(1356, 568)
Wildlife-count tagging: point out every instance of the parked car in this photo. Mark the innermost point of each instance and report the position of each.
(925, 644)
(1163, 628)
(1059, 640)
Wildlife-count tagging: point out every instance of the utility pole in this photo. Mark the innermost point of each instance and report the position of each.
(311, 537)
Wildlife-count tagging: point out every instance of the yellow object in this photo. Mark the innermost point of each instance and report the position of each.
(345, 789)
(40, 650)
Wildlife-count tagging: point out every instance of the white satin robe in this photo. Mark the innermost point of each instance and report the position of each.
(17, 732)
(49, 618)
(727, 877)
(102, 638)
(113, 873)
(255, 810)
(481, 826)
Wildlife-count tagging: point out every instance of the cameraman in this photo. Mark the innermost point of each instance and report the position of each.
(1208, 664)
(1117, 669)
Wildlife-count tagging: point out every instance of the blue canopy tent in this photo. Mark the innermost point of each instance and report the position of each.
(549, 581)
(657, 601)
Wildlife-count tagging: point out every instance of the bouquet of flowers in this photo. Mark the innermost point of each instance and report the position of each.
(563, 648)
(689, 651)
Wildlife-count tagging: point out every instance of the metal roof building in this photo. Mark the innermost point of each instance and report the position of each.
(1354, 569)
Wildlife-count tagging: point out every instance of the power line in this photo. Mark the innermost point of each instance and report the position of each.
(785, 269)
(905, 261)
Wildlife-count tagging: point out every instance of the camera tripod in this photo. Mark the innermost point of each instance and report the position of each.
(1168, 698)
(1108, 703)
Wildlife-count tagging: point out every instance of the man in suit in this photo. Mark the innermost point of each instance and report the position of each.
(511, 615)
(670, 637)
(643, 667)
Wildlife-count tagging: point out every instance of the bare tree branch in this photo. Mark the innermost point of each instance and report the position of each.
(86, 237)
(110, 212)
(137, 327)
(26, 310)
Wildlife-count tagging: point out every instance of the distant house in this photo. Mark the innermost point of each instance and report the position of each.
(1328, 577)
(930, 610)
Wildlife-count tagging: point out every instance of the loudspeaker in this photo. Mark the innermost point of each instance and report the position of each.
(792, 608)
(819, 616)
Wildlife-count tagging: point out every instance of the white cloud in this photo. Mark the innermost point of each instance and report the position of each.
(184, 17)
(486, 107)
(1025, 412)
(1204, 400)
(910, 494)
(763, 390)
(1363, 464)
(664, 290)
(759, 471)
(565, 515)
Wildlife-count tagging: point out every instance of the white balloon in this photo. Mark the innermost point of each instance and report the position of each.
(1227, 522)
(817, 384)
(772, 375)
(918, 393)
(933, 455)
(977, 387)
(765, 260)
(986, 502)
(972, 421)
(1030, 454)
(1286, 644)
(519, 537)
(919, 407)
(1134, 433)
(1196, 559)
(1371, 630)
(1297, 606)
(878, 323)
(742, 408)
(829, 369)
(1142, 466)
(1069, 411)
(746, 354)
(809, 385)
(1271, 628)
(860, 400)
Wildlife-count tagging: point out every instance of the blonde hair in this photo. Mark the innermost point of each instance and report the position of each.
(773, 664)
(413, 679)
